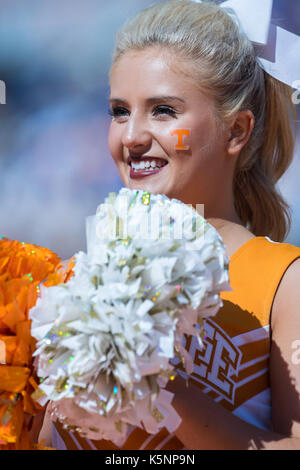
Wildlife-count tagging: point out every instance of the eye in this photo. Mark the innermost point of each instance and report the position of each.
(118, 112)
(164, 110)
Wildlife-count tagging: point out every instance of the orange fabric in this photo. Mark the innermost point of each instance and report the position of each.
(233, 365)
(255, 272)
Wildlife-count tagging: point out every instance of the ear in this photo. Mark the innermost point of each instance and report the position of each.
(240, 131)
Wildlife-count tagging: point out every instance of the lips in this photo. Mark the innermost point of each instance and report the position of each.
(140, 173)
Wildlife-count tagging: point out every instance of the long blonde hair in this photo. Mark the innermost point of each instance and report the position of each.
(226, 65)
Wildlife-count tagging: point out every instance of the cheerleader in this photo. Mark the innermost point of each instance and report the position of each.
(196, 117)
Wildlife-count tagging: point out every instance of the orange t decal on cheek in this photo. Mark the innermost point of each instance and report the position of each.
(180, 133)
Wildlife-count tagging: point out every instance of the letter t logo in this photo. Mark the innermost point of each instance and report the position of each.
(180, 133)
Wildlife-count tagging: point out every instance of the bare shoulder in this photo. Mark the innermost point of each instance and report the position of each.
(234, 236)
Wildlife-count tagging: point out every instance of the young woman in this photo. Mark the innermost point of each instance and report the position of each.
(195, 117)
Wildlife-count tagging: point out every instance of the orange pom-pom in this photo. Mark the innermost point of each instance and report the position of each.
(23, 267)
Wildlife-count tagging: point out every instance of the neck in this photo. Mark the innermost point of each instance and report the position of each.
(221, 224)
(222, 221)
(219, 213)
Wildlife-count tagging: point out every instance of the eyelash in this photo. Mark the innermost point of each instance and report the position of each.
(116, 112)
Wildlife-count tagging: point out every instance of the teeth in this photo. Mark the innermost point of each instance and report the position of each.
(142, 165)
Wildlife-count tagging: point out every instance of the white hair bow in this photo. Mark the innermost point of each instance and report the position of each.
(277, 50)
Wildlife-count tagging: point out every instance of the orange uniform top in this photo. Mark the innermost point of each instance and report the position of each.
(233, 366)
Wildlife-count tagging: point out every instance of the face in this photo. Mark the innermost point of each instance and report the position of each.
(159, 115)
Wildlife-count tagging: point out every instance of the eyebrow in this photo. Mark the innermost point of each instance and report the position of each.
(153, 99)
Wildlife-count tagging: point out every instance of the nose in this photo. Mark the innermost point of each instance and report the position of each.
(136, 135)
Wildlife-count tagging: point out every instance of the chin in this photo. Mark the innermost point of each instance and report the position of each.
(143, 186)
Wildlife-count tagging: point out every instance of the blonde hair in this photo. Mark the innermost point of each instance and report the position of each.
(226, 65)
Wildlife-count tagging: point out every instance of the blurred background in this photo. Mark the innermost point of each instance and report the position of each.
(55, 167)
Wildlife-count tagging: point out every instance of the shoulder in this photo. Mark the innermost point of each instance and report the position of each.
(285, 353)
(234, 236)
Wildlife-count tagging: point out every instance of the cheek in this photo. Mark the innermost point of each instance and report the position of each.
(114, 144)
(174, 139)
(205, 140)
(181, 138)
(191, 135)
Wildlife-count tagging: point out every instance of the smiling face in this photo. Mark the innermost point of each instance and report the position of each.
(160, 113)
